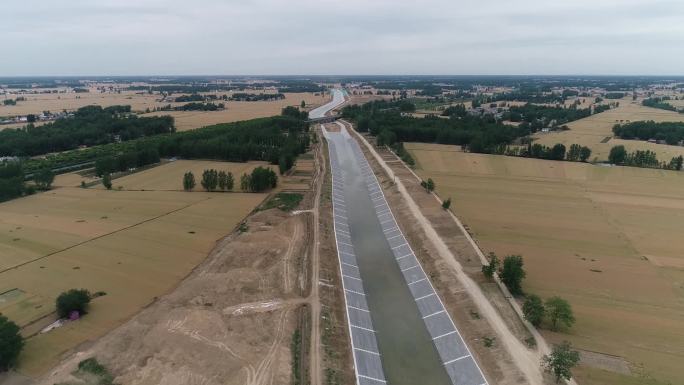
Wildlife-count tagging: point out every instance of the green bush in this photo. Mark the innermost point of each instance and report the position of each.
(72, 300)
(11, 343)
(91, 366)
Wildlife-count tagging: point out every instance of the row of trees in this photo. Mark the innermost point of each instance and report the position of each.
(126, 160)
(245, 97)
(671, 132)
(576, 153)
(12, 181)
(191, 98)
(194, 106)
(512, 272)
(555, 311)
(277, 140)
(660, 102)
(384, 120)
(91, 125)
(642, 158)
(212, 180)
(260, 179)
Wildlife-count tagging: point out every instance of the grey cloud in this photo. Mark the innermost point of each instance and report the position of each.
(71, 37)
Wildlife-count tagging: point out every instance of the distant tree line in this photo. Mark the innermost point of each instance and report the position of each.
(124, 161)
(529, 95)
(194, 98)
(278, 140)
(246, 97)
(385, 120)
(615, 95)
(458, 110)
(670, 132)
(661, 103)
(537, 117)
(299, 88)
(91, 125)
(194, 106)
(186, 89)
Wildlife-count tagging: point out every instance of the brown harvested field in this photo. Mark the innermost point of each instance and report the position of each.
(676, 103)
(185, 120)
(74, 179)
(133, 245)
(593, 130)
(608, 239)
(230, 322)
(169, 176)
(236, 111)
(37, 103)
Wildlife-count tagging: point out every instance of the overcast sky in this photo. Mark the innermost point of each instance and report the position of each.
(226, 37)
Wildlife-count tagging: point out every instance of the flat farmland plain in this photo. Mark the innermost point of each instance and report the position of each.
(139, 102)
(608, 239)
(592, 131)
(132, 245)
(236, 111)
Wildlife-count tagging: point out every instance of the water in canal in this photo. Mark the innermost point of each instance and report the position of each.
(408, 354)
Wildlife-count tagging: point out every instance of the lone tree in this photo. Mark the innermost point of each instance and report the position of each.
(512, 273)
(559, 313)
(534, 310)
(303, 104)
(72, 300)
(561, 360)
(107, 180)
(230, 181)
(488, 270)
(585, 153)
(430, 186)
(617, 155)
(11, 343)
(245, 183)
(222, 180)
(446, 204)
(209, 180)
(44, 178)
(262, 179)
(188, 181)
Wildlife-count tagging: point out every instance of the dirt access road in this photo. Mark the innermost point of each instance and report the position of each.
(314, 298)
